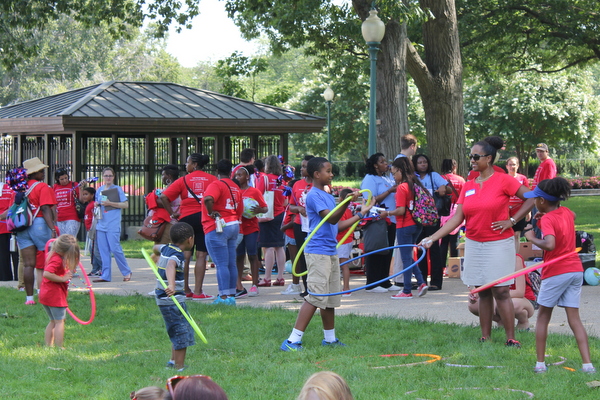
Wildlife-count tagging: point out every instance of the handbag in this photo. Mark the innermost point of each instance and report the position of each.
(376, 236)
(269, 196)
(152, 229)
(443, 203)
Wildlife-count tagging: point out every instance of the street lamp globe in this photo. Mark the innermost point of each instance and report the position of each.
(373, 28)
(328, 94)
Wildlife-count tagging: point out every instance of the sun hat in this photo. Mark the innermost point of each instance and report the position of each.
(542, 146)
(33, 165)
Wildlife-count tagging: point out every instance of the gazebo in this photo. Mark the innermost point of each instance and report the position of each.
(137, 127)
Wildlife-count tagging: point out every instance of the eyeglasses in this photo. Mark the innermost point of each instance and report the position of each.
(174, 380)
(107, 176)
(476, 157)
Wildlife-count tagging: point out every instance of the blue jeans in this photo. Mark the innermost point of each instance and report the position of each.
(221, 247)
(409, 235)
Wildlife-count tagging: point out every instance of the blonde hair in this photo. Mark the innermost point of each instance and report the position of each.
(68, 248)
(325, 385)
(149, 393)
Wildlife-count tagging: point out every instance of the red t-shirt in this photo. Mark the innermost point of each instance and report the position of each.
(158, 213)
(458, 183)
(474, 174)
(515, 202)
(197, 181)
(41, 195)
(340, 235)
(404, 198)
(251, 225)
(54, 294)
(7, 197)
(279, 202)
(560, 223)
(546, 170)
(286, 220)
(65, 204)
(486, 203)
(227, 203)
(298, 197)
(89, 215)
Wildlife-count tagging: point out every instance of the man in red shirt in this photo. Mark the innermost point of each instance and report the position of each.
(547, 168)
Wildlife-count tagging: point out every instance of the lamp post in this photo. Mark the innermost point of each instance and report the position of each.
(373, 30)
(328, 95)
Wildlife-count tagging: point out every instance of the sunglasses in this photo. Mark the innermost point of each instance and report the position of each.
(476, 157)
(174, 380)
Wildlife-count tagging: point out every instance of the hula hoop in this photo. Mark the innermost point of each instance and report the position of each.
(522, 272)
(186, 315)
(88, 285)
(381, 280)
(309, 237)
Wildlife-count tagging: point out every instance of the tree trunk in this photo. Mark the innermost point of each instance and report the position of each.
(439, 80)
(392, 87)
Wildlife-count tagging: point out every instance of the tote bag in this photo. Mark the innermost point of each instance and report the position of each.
(269, 197)
(376, 236)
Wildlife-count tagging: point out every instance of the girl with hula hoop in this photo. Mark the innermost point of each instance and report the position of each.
(60, 266)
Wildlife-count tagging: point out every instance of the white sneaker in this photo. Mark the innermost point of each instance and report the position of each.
(292, 289)
(377, 289)
(394, 288)
(253, 292)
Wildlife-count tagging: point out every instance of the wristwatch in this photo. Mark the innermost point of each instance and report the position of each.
(359, 214)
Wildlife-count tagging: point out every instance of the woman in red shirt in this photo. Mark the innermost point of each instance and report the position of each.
(449, 167)
(222, 209)
(271, 239)
(190, 189)
(489, 247)
(515, 203)
(65, 191)
(7, 257)
(32, 241)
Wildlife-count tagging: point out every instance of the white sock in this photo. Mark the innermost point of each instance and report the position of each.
(587, 366)
(329, 335)
(540, 364)
(29, 298)
(296, 336)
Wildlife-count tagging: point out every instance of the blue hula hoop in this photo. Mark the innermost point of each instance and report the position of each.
(424, 251)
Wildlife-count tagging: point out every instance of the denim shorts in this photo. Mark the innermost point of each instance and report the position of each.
(179, 330)
(55, 313)
(36, 235)
(290, 241)
(249, 245)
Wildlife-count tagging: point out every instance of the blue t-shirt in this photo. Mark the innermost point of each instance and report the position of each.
(111, 219)
(378, 185)
(434, 178)
(170, 252)
(324, 241)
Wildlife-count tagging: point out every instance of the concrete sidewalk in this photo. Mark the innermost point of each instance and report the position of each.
(448, 305)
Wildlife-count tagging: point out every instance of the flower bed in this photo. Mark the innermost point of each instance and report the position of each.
(585, 183)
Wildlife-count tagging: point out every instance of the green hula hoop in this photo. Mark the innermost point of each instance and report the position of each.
(350, 231)
(189, 319)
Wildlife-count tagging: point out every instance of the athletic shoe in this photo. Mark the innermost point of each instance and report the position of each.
(293, 289)
(182, 368)
(348, 294)
(219, 300)
(170, 364)
(279, 282)
(230, 301)
(335, 343)
(513, 343)
(190, 294)
(591, 370)
(377, 289)
(394, 288)
(540, 370)
(264, 283)
(253, 291)
(241, 293)
(289, 346)
(402, 295)
(152, 293)
(201, 296)
(422, 291)
(30, 303)
(21, 289)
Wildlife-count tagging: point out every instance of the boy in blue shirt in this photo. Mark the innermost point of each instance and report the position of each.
(321, 258)
(170, 268)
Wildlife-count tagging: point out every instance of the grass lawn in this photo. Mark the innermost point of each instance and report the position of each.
(126, 348)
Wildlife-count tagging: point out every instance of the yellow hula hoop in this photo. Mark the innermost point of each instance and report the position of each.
(186, 315)
(350, 231)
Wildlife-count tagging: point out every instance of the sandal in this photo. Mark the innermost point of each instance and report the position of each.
(264, 283)
(279, 282)
(127, 278)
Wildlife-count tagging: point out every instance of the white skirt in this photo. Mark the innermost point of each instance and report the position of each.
(486, 262)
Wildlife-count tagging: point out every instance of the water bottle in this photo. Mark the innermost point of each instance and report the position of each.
(219, 225)
(13, 243)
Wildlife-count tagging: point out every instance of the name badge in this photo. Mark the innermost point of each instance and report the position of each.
(470, 192)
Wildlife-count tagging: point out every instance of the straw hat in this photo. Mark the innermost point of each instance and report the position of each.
(33, 165)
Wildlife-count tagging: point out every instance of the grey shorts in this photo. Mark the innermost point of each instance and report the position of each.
(55, 313)
(562, 290)
(344, 250)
